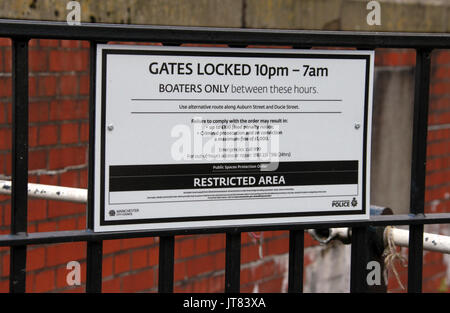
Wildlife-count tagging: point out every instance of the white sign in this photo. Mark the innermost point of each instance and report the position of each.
(200, 137)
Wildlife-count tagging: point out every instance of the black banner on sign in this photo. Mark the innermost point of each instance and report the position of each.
(231, 175)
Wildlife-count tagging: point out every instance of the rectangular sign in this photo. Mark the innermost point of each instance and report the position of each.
(202, 137)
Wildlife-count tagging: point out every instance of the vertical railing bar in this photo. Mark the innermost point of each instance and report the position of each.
(166, 264)
(418, 166)
(94, 254)
(233, 262)
(296, 252)
(19, 185)
(358, 261)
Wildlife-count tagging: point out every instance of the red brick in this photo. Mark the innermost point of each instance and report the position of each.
(279, 246)
(441, 73)
(35, 258)
(4, 285)
(48, 135)
(61, 254)
(44, 281)
(139, 282)
(4, 269)
(196, 266)
(440, 88)
(70, 179)
(83, 178)
(33, 86)
(438, 164)
(70, 43)
(273, 285)
(139, 259)
(153, 257)
(46, 86)
(442, 57)
(63, 60)
(186, 248)
(111, 246)
(250, 253)
(395, 57)
(69, 110)
(137, 242)
(49, 179)
(84, 132)
(67, 224)
(68, 85)
(37, 159)
(58, 208)
(5, 87)
(84, 85)
(439, 104)
(216, 242)
(438, 178)
(38, 111)
(69, 133)
(38, 60)
(7, 53)
(33, 136)
(5, 134)
(5, 42)
(63, 157)
(200, 285)
(180, 271)
(112, 285)
(37, 209)
(437, 193)
(438, 148)
(122, 263)
(48, 43)
(201, 245)
(3, 113)
(84, 44)
(47, 226)
(441, 134)
(107, 267)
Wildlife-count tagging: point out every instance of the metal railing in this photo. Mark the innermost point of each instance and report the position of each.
(22, 31)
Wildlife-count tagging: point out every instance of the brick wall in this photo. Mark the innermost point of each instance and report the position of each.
(58, 138)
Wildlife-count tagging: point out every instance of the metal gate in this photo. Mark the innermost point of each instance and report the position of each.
(22, 31)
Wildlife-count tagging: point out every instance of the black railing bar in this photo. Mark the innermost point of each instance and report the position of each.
(418, 166)
(358, 260)
(89, 235)
(296, 260)
(156, 33)
(233, 262)
(19, 182)
(166, 264)
(94, 252)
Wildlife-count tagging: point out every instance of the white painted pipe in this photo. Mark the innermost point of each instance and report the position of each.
(49, 192)
(431, 242)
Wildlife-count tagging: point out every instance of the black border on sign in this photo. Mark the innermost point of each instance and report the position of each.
(105, 52)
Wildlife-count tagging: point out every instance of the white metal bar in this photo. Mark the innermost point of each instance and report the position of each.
(49, 192)
(431, 242)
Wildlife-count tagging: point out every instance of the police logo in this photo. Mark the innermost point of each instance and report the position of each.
(112, 213)
(354, 202)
